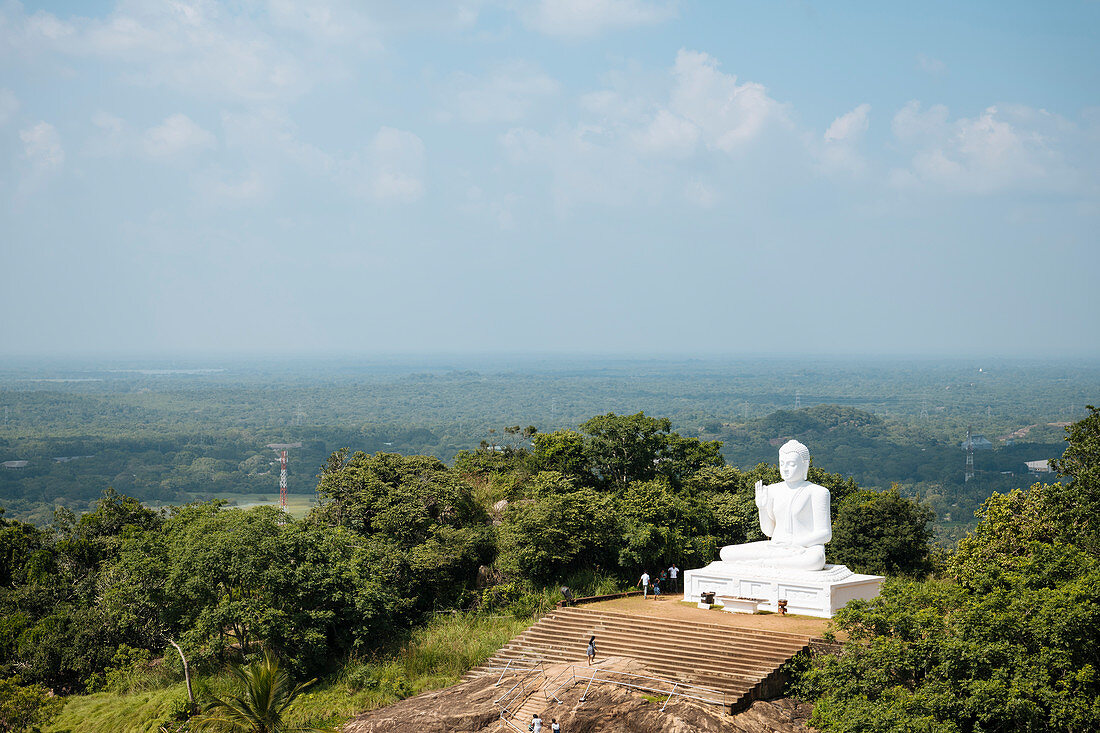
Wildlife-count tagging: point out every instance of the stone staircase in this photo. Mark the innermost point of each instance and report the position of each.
(742, 664)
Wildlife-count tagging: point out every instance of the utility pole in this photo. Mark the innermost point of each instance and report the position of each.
(798, 400)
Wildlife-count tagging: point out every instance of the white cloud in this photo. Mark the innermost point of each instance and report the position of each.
(178, 135)
(587, 165)
(729, 115)
(642, 146)
(478, 204)
(46, 26)
(580, 18)
(1003, 148)
(43, 153)
(42, 147)
(912, 125)
(508, 94)
(392, 168)
(268, 138)
(329, 21)
(196, 46)
(110, 136)
(931, 65)
(221, 188)
(839, 149)
(849, 127)
(701, 195)
(669, 135)
(9, 105)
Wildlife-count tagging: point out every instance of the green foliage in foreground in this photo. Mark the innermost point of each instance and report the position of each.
(25, 707)
(266, 692)
(1007, 642)
(435, 656)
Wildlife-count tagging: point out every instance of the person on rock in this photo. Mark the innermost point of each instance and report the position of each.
(536, 724)
(554, 726)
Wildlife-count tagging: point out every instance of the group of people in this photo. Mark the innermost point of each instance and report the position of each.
(670, 579)
(536, 725)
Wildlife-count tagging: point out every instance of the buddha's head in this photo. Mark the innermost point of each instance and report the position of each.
(794, 461)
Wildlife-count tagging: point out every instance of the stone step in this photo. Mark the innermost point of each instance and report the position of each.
(521, 650)
(547, 646)
(754, 647)
(735, 662)
(556, 634)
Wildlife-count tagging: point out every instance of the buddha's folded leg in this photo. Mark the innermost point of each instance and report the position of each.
(801, 558)
(776, 555)
(746, 552)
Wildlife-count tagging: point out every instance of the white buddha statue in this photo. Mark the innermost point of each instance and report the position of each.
(794, 514)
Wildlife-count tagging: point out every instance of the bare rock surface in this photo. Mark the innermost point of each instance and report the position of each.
(608, 708)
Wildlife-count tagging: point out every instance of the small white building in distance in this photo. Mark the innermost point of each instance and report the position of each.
(14, 464)
(1038, 466)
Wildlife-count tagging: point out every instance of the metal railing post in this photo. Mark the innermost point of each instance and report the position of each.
(669, 697)
(503, 673)
(590, 681)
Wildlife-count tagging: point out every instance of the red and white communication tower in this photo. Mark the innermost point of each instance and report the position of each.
(281, 449)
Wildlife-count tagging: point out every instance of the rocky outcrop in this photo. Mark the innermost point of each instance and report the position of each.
(465, 707)
(607, 708)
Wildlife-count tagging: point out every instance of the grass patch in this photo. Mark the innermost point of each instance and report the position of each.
(138, 712)
(436, 655)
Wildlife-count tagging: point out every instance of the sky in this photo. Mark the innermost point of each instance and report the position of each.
(598, 176)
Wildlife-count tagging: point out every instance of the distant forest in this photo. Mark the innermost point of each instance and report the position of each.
(173, 433)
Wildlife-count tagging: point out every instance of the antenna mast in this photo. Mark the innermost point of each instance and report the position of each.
(969, 457)
(281, 449)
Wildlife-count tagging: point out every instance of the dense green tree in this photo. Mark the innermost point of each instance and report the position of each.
(233, 580)
(625, 448)
(560, 529)
(1008, 643)
(1006, 652)
(402, 498)
(660, 524)
(1078, 505)
(425, 531)
(25, 708)
(25, 553)
(562, 451)
(882, 533)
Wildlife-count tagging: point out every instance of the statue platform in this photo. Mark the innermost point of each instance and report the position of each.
(808, 592)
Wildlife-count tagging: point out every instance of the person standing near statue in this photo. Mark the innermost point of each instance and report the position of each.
(673, 575)
(644, 582)
(794, 514)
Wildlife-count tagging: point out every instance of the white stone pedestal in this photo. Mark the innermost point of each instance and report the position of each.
(808, 592)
